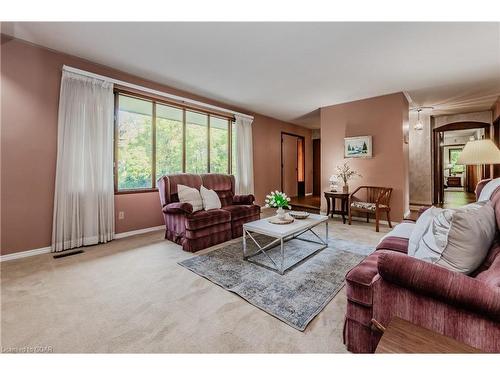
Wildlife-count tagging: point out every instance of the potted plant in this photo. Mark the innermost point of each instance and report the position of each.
(279, 200)
(345, 173)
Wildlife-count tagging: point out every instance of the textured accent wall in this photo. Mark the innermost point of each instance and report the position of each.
(385, 118)
(420, 160)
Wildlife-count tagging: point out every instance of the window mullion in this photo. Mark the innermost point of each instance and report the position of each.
(229, 147)
(153, 156)
(208, 145)
(184, 140)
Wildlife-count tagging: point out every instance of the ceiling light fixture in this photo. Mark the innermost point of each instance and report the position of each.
(419, 125)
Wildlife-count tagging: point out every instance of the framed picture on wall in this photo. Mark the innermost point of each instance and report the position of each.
(358, 147)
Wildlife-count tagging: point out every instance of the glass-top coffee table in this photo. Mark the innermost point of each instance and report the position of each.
(283, 233)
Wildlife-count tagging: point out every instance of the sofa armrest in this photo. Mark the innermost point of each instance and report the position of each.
(438, 282)
(178, 208)
(243, 199)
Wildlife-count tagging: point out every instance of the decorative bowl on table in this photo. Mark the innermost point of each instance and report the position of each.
(299, 214)
(287, 219)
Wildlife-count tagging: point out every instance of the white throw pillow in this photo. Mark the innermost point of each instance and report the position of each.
(210, 199)
(459, 239)
(489, 189)
(421, 226)
(190, 195)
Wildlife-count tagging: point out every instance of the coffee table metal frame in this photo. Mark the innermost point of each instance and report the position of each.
(282, 239)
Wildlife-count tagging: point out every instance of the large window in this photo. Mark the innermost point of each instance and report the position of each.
(197, 142)
(135, 143)
(219, 145)
(155, 138)
(169, 124)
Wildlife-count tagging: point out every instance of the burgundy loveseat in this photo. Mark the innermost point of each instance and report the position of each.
(389, 283)
(201, 229)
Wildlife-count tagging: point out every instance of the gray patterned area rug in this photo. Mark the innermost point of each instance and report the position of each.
(296, 297)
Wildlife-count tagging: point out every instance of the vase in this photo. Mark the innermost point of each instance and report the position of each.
(345, 189)
(280, 213)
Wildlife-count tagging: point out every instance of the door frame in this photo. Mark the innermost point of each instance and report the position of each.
(437, 153)
(300, 185)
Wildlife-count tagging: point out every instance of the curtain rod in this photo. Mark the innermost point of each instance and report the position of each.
(151, 91)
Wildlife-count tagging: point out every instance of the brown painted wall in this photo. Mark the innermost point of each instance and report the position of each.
(384, 118)
(29, 100)
(267, 154)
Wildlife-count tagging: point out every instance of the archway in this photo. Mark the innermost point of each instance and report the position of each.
(437, 151)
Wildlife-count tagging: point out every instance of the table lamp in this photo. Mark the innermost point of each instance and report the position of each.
(482, 151)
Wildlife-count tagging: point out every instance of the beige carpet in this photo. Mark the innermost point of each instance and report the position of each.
(130, 295)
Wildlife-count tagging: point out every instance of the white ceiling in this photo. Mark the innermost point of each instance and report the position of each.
(289, 70)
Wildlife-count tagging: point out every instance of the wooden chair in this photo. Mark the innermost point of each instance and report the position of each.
(375, 200)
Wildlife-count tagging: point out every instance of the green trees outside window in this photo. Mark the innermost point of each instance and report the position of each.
(219, 141)
(134, 143)
(172, 138)
(454, 153)
(196, 142)
(168, 140)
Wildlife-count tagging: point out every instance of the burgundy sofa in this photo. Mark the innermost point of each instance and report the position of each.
(389, 283)
(201, 229)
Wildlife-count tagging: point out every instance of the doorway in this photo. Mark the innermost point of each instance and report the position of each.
(293, 165)
(455, 183)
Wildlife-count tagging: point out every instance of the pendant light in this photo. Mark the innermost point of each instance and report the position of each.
(418, 125)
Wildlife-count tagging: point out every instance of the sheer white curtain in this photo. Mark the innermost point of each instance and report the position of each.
(244, 155)
(84, 196)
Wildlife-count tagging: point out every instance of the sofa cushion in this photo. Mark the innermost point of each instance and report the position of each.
(190, 195)
(222, 184)
(210, 199)
(242, 210)
(366, 205)
(208, 231)
(459, 239)
(203, 219)
(421, 225)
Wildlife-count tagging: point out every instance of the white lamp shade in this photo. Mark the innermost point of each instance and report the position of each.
(482, 151)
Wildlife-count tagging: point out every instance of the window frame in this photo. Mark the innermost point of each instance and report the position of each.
(450, 151)
(117, 92)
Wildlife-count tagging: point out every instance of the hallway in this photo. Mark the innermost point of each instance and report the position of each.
(455, 199)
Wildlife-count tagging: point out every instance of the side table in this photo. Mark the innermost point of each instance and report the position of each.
(401, 336)
(331, 204)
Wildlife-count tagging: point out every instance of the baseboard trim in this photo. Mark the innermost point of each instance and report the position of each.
(138, 231)
(25, 254)
(45, 250)
(308, 194)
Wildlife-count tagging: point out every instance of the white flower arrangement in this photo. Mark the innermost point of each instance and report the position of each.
(277, 199)
(345, 173)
